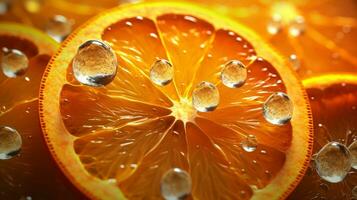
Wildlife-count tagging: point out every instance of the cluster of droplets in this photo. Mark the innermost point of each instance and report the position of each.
(296, 27)
(334, 161)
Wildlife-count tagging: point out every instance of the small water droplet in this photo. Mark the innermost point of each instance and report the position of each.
(234, 74)
(250, 143)
(274, 25)
(14, 63)
(58, 27)
(32, 6)
(162, 72)
(175, 184)
(295, 62)
(10, 143)
(353, 150)
(4, 7)
(278, 109)
(205, 97)
(297, 26)
(333, 162)
(95, 64)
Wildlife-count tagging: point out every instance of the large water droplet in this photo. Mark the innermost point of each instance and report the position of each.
(250, 143)
(295, 62)
(175, 184)
(58, 27)
(297, 26)
(10, 142)
(161, 72)
(353, 151)
(205, 97)
(274, 25)
(278, 109)
(234, 74)
(95, 64)
(14, 63)
(333, 162)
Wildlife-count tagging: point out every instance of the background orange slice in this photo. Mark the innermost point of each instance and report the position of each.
(32, 173)
(118, 140)
(333, 101)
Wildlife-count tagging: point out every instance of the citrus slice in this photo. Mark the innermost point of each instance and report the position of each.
(119, 140)
(333, 99)
(28, 170)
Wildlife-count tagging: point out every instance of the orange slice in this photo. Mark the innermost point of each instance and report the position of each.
(117, 141)
(31, 173)
(333, 99)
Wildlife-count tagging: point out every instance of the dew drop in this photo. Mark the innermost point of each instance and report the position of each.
(234, 74)
(250, 143)
(297, 26)
(58, 27)
(333, 162)
(205, 97)
(14, 63)
(95, 64)
(278, 109)
(161, 72)
(175, 184)
(353, 150)
(274, 25)
(10, 143)
(295, 62)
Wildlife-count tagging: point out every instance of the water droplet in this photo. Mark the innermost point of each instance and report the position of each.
(14, 63)
(295, 62)
(58, 27)
(278, 109)
(250, 143)
(10, 142)
(162, 72)
(333, 162)
(353, 151)
(175, 184)
(274, 25)
(95, 64)
(354, 192)
(205, 97)
(32, 6)
(297, 26)
(234, 74)
(4, 7)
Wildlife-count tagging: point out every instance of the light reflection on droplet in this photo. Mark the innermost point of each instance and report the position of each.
(295, 62)
(278, 109)
(175, 184)
(274, 25)
(162, 72)
(10, 142)
(205, 97)
(234, 74)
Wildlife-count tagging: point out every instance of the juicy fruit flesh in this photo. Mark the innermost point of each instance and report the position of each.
(334, 111)
(22, 175)
(147, 123)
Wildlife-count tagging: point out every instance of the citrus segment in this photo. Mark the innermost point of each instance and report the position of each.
(21, 177)
(333, 99)
(120, 139)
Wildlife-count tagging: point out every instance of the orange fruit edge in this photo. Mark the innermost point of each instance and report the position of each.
(303, 118)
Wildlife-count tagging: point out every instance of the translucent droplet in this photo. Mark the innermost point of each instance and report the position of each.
(333, 162)
(58, 27)
(175, 184)
(234, 74)
(14, 63)
(205, 97)
(10, 142)
(4, 6)
(32, 6)
(297, 26)
(250, 143)
(295, 62)
(161, 72)
(95, 64)
(353, 151)
(274, 25)
(354, 193)
(278, 109)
